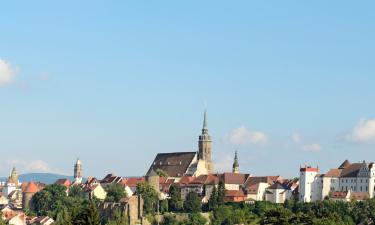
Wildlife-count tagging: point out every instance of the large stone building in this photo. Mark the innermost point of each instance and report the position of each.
(178, 164)
(348, 177)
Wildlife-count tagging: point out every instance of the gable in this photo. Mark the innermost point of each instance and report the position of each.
(174, 164)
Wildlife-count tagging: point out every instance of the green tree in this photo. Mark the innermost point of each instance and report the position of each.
(75, 191)
(220, 193)
(175, 202)
(196, 219)
(118, 218)
(162, 173)
(149, 195)
(115, 192)
(89, 215)
(49, 200)
(193, 203)
(212, 202)
(163, 206)
(63, 218)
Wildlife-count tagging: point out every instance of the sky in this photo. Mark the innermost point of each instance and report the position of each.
(286, 83)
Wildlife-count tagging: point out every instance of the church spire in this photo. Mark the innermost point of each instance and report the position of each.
(236, 165)
(205, 127)
(205, 145)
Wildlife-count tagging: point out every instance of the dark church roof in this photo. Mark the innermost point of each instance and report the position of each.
(174, 164)
(345, 164)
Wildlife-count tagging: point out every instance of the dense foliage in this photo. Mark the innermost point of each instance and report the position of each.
(115, 192)
(149, 195)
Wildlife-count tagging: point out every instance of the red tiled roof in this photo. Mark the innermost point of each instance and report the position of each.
(133, 181)
(333, 173)
(31, 188)
(339, 194)
(64, 182)
(234, 178)
(235, 193)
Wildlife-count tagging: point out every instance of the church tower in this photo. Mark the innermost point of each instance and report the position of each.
(78, 172)
(13, 177)
(236, 166)
(205, 146)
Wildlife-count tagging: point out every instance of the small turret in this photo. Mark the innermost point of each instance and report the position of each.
(78, 172)
(236, 166)
(152, 178)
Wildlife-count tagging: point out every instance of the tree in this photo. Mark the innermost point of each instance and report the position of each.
(162, 173)
(193, 203)
(63, 218)
(115, 192)
(163, 206)
(90, 215)
(196, 219)
(75, 191)
(118, 218)
(221, 193)
(149, 195)
(50, 200)
(212, 202)
(175, 202)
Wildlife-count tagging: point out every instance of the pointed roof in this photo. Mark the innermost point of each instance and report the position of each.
(78, 162)
(235, 163)
(345, 164)
(205, 127)
(31, 188)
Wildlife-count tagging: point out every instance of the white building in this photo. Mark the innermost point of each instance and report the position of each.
(353, 177)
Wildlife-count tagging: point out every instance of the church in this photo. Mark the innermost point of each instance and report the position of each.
(178, 164)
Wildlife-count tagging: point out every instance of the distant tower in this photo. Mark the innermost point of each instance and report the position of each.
(28, 194)
(152, 178)
(308, 190)
(205, 146)
(13, 177)
(78, 172)
(236, 166)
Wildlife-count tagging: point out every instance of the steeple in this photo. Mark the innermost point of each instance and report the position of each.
(78, 172)
(205, 128)
(236, 166)
(205, 145)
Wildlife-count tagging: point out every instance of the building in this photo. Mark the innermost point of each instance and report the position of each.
(282, 190)
(94, 190)
(255, 187)
(236, 166)
(28, 193)
(233, 181)
(152, 178)
(179, 164)
(309, 184)
(358, 178)
(78, 173)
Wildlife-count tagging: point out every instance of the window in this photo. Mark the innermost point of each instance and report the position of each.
(361, 188)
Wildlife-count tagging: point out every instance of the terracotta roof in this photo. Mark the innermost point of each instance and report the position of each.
(174, 164)
(235, 193)
(185, 180)
(309, 169)
(345, 164)
(265, 179)
(253, 189)
(234, 178)
(333, 173)
(339, 194)
(64, 182)
(31, 188)
(133, 181)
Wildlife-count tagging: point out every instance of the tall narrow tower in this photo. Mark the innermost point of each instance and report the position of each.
(205, 146)
(236, 166)
(78, 172)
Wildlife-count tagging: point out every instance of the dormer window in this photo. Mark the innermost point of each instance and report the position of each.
(180, 163)
(168, 163)
(161, 163)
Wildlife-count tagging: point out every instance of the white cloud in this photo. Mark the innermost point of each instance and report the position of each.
(223, 163)
(31, 166)
(242, 136)
(312, 148)
(363, 132)
(297, 139)
(7, 72)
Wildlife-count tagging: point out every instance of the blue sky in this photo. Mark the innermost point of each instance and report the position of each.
(286, 83)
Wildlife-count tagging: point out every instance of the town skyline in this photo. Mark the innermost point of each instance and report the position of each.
(115, 84)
